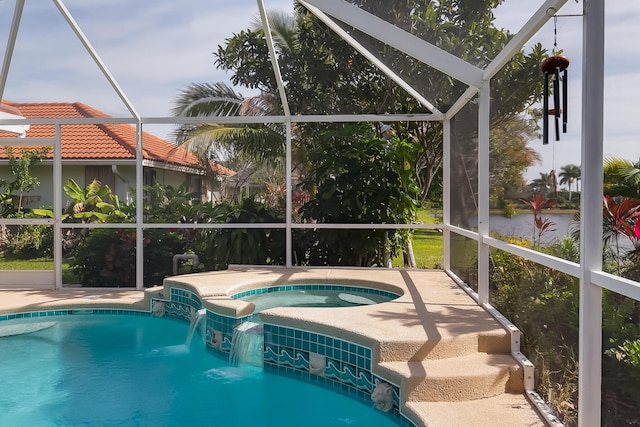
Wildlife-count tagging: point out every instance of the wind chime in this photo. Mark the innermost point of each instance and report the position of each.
(552, 67)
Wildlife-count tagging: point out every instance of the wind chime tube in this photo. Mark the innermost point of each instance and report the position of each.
(545, 110)
(565, 97)
(556, 102)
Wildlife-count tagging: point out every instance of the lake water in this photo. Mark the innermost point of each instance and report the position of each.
(522, 226)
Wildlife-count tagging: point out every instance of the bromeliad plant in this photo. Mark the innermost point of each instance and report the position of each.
(540, 226)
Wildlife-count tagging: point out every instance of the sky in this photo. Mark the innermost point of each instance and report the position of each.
(154, 49)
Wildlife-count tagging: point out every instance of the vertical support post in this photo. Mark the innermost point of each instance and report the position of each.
(590, 335)
(139, 209)
(483, 192)
(446, 191)
(57, 207)
(289, 207)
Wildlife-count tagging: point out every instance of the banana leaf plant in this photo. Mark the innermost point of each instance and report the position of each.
(88, 204)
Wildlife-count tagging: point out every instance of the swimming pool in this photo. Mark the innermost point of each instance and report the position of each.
(314, 295)
(131, 370)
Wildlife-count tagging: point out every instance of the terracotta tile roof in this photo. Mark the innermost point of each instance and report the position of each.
(98, 141)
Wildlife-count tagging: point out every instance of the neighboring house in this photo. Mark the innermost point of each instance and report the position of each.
(101, 151)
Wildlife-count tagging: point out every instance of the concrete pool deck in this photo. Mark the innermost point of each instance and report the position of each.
(450, 358)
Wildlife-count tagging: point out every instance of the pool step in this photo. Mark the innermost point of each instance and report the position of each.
(468, 377)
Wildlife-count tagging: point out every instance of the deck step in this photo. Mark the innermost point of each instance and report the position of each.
(468, 377)
(504, 410)
(492, 341)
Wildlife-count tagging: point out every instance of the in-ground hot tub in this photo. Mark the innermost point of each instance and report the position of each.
(314, 295)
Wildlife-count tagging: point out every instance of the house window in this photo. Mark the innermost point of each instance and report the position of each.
(149, 176)
(195, 186)
(104, 174)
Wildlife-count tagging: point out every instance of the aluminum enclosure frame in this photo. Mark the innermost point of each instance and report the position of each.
(589, 270)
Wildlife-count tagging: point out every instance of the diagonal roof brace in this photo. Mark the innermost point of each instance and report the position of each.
(530, 28)
(96, 58)
(11, 43)
(372, 58)
(401, 40)
(274, 58)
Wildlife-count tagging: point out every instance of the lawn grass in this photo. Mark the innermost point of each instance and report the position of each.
(428, 246)
(38, 264)
(26, 264)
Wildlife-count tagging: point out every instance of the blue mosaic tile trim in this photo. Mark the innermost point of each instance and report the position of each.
(287, 357)
(52, 313)
(338, 387)
(186, 297)
(280, 288)
(176, 309)
(331, 347)
(224, 324)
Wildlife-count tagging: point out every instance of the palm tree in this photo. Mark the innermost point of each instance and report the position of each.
(253, 143)
(541, 185)
(568, 175)
(622, 177)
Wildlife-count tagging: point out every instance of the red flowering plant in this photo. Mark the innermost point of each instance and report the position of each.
(540, 226)
(621, 219)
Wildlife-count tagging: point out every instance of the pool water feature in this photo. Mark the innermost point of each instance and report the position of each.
(196, 317)
(314, 295)
(247, 345)
(105, 370)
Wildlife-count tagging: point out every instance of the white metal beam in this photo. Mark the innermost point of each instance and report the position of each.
(590, 317)
(289, 194)
(139, 208)
(274, 58)
(462, 101)
(57, 207)
(96, 58)
(401, 40)
(483, 191)
(11, 43)
(620, 285)
(528, 30)
(446, 192)
(371, 57)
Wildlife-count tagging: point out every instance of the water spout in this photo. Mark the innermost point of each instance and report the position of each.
(247, 344)
(382, 396)
(195, 319)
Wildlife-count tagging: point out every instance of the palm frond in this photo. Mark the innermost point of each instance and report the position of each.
(254, 141)
(283, 28)
(207, 99)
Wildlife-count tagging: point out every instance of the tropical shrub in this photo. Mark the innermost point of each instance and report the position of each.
(28, 242)
(356, 178)
(106, 257)
(224, 246)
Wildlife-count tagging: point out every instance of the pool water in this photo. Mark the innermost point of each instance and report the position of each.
(315, 296)
(127, 370)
